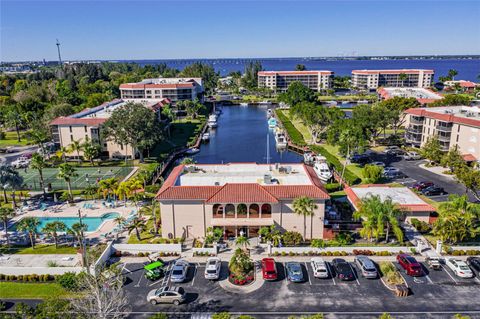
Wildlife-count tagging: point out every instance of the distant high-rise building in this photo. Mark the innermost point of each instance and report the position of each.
(280, 80)
(373, 79)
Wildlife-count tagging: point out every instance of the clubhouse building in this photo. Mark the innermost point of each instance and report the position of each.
(280, 80)
(373, 79)
(240, 198)
(424, 96)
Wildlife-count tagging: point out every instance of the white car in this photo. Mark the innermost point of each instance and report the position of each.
(20, 163)
(179, 271)
(212, 269)
(319, 267)
(390, 169)
(459, 267)
(412, 156)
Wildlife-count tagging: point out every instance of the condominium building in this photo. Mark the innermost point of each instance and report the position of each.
(373, 79)
(174, 89)
(423, 96)
(280, 80)
(239, 198)
(454, 126)
(88, 125)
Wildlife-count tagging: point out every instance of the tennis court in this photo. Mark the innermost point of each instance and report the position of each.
(86, 176)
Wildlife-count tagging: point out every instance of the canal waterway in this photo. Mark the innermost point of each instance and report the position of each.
(241, 136)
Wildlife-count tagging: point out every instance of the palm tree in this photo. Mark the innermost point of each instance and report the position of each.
(107, 187)
(90, 150)
(119, 221)
(123, 191)
(379, 217)
(62, 153)
(6, 213)
(461, 204)
(243, 242)
(137, 225)
(76, 146)
(90, 190)
(67, 172)
(29, 225)
(38, 162)
(452, 73)
(52, 229)
(10, 178)
(305, 206)
(77, 231)
(402, 77)
(135, 186)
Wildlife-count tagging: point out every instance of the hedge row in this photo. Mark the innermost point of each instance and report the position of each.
(27, 278)
(311, 253)
(349, 177)
(295, 136)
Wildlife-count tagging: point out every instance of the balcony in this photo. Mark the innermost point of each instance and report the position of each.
(444, 138)
(416, 120)
(444, 128)
(413, 130)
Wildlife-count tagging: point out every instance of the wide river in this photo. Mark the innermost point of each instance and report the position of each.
(242, 135)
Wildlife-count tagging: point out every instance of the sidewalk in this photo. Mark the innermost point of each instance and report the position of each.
(437, 170)
(419, 242)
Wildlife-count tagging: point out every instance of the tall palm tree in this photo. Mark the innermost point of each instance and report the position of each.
(75, 147)
(123, 191)
(136, 186)
(379, 217)
(6, 214)
(119, 221)
(62, 153)
(452, 73)
(107, 187)
(402, 77)
(29, 225)
(67, 172)
(461, 204)
(52, 229)
(243, 242)
(38, 162)
(305, 206)
(10, 178)
(77, 230)
(137, 225)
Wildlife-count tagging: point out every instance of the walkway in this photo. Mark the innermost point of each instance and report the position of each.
(419, 241)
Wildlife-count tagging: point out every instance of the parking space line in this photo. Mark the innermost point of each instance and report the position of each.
(445, 269)
(138, 283)
(308, 275)
(194, 274)
(285, 270)
(429, 279)
(354, 274)
(331, 273)
(476, 279)
(155, 282)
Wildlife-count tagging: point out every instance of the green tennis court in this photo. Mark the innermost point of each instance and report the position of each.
(86, 176)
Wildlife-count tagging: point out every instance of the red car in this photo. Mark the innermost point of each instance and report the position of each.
(411, 265)
(422, 185)
(269, 269)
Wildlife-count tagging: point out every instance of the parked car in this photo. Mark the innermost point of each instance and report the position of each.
(421, 185)
(411, 266)
(175, 295)
(212, 269)
(433, 263)
(294, 271)
(390, 169)
(433, 191)
(393, 150)
(474, 262)
(382, 164)
(343, 269)
(20, 162)
(412, 156)
(320, 268)
(394, 175)
(459, 267)
(366, 266)
(269, 269)
(179, 271)
(361, 159)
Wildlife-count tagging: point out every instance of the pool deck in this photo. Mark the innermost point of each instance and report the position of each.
(97, 210)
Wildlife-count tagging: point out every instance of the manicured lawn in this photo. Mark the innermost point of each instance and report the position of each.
(11, 139)
(19, 290)
(182, 133)
(355, 169)
(39, 249)
(307, 136)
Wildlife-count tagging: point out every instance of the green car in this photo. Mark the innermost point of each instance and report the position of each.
(154, 271)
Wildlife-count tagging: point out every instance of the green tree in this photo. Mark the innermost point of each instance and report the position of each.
(385, 316)
(452, 100)
(29, 225)
(296, 93)
(10, 178)
(379, 217)
(470, 177)
(431, 150)
(452, 159)
(78, 230)
(54, 308)
(394, 109)
(222, 315)
(452, 73)
(62, 153)
(67, 172)
(134, 125)
(305, 206)
(90, 150)
(242, 241)
(193, 108)
(6, 214)
(76, 147)
(250, 76)
(107, 187)
(138, 225)
(403, 77)
(188, 161)
(53, 228)
(372, 173)
(204, 71)
(300, 67)
(13, 118)
(38, 162)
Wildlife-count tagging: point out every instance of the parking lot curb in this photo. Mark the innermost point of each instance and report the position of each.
(255, 285)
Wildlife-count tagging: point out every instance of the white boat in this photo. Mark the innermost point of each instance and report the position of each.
(206, 137)
(272, 122)
(265, 103)
(321, 168)
(244, 104)
(309, 157)
(280, 139)
(345, 102)
(192, 150)
(212, 121)
(362, 102)
(331, 102)
(269, 113)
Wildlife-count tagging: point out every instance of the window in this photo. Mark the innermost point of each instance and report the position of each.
(217, 211)
(230, 211)
(266, 210)
(241, 211)
(254, 211)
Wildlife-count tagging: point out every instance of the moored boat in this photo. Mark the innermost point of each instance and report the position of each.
(265, 103)
(280, 139)
(212, 121)
(206, 137)
(272, 122)
(244, 104)
(321, 168)
(192, 150)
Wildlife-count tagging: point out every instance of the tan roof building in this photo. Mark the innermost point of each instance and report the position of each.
(373, 79)
(240, 198)
(280, 80)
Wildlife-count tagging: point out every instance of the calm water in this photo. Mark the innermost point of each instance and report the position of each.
(467, 69)
(241, 136)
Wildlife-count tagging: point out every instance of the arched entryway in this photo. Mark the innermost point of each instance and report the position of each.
(254, 211)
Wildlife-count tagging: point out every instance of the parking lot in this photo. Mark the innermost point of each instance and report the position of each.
(437, 292)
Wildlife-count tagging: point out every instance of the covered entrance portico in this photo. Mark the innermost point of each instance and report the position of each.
(236, 227)
(236, 231)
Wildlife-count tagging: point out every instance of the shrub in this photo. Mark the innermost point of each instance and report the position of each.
(332, 187)
(52, 263)
(344, 238)
(390, 273)
(2, 135)
(421, 226)
(295, 136)
(372, 173)
(318, 243)
(292, 238)
(68, 281)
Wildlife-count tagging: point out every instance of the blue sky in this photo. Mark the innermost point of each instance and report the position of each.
(214, 29)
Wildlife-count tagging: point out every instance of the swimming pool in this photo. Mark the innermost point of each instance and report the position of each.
(93, 223)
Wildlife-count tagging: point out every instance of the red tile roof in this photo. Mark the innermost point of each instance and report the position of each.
(156, 86)
(77, 121)
(240, 192)
(355, 200)
(399, 71)
(443, 117)
(469, 158)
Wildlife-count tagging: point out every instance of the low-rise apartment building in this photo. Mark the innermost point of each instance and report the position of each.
(423, 96)
(88, 125)
(280, 80)
(454, 126)
(240, 198)
(373, 79)
(174, 89)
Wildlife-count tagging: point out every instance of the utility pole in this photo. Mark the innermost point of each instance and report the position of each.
(59, 56)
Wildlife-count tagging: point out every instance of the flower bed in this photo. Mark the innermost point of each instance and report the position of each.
(240, 280)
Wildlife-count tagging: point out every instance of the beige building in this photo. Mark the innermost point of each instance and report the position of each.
(373, 79)
(454, 126)
(174, 89)
(239, 198)
(280, 80)
(88, 125)
(424, 96)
